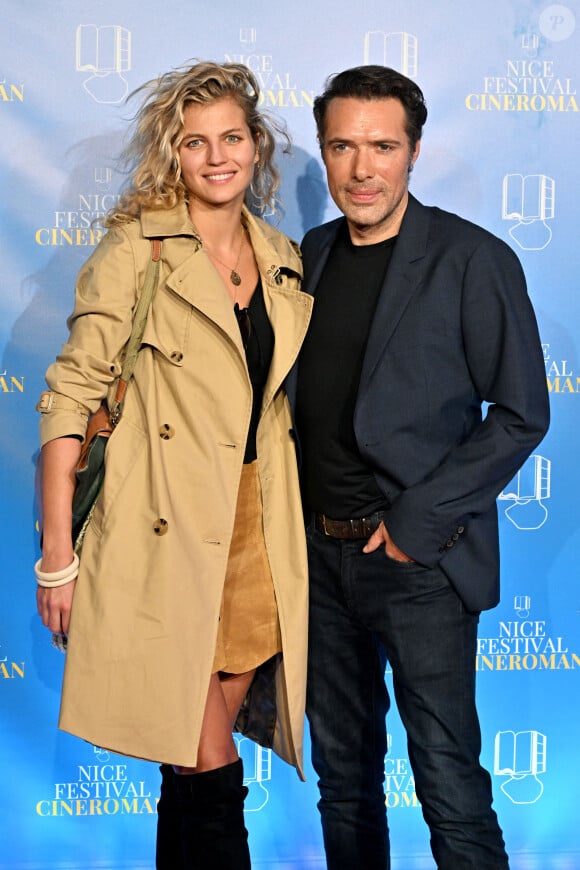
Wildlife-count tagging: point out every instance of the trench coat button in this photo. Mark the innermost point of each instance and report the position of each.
(160, 527)
(166, 431)
(176, 355)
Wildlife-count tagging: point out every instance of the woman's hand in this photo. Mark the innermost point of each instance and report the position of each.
(54, 606)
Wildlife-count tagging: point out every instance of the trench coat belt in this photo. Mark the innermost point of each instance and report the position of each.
(359, 527)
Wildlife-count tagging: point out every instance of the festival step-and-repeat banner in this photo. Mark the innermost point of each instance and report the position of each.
(501, 147)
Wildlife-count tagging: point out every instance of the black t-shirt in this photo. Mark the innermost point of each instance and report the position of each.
(258, 337)
(335, 479)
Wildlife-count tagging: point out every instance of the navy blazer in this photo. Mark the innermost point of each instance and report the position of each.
(453, 328)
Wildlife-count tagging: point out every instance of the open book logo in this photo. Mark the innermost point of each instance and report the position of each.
(527, 492)
(529, 200)
(521, 757)
(257, 770)
(397, 50)
(105, 53)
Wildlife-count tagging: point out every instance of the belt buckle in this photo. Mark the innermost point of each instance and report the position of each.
(323, 523)
(45, 402)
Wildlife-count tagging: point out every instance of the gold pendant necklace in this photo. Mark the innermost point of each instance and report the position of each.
(235, 276)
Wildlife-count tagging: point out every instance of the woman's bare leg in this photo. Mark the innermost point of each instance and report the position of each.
(204, 812)
(224, 699)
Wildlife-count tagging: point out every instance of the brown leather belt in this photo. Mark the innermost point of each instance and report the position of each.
(360, 527)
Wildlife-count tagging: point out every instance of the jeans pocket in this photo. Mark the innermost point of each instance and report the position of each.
(403, 566)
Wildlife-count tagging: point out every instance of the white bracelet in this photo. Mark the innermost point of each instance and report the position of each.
(57, 578)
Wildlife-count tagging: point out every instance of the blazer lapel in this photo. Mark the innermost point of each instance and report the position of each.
(314, 264)
(315, 254)
(403, 280)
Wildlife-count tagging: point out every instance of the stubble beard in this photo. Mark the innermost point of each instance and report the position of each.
(366, 218)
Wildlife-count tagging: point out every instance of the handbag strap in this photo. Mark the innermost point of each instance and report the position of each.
(139, 320)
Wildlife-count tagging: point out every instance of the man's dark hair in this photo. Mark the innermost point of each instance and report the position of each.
(374, 83)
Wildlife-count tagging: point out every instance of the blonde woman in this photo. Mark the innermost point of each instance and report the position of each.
(189, 611)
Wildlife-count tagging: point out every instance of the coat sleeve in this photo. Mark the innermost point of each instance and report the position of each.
(100, 326)
(503, 353)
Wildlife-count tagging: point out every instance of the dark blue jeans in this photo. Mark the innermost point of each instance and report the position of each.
(365, 608)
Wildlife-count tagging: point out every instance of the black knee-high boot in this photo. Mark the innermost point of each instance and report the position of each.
(213, 834)
(169, 853)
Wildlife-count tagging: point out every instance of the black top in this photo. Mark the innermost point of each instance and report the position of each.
(335, 479)
(258, 338)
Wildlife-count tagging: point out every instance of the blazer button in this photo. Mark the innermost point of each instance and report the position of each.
(455, 536)
(166, 431)
(176, 355)
(160, 527)
(460, 529)
(449, 543)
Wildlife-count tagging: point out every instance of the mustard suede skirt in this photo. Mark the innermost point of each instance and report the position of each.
(249, 631)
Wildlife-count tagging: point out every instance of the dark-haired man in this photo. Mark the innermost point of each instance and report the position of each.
(419, 318)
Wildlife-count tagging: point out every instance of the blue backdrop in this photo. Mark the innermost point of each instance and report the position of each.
(501, 147)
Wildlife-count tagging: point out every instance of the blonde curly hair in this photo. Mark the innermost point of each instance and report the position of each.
(153, 148)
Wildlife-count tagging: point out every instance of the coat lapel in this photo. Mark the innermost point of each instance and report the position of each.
(289, 309)
(289, 312)
(191, 274)
(194, 279)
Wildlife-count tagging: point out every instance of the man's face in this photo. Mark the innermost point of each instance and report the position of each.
(367, 158)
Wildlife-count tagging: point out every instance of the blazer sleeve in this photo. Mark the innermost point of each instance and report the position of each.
(503, 353)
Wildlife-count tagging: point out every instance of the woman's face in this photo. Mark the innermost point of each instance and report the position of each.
(217, 154)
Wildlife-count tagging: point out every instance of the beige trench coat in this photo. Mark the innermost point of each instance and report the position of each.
(146, 606)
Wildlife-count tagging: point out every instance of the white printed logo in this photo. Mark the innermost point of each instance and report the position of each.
(248, 37)
(521, 756)
(527, 492)
(529, 200)
(522, 605)
(397, 50)
(105, 52)
(257, 770)
(530, 44)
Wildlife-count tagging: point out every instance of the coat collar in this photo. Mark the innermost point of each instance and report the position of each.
(194, 279)
(191, 274)
(266, 240)
(167, 222)
(274, 251)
